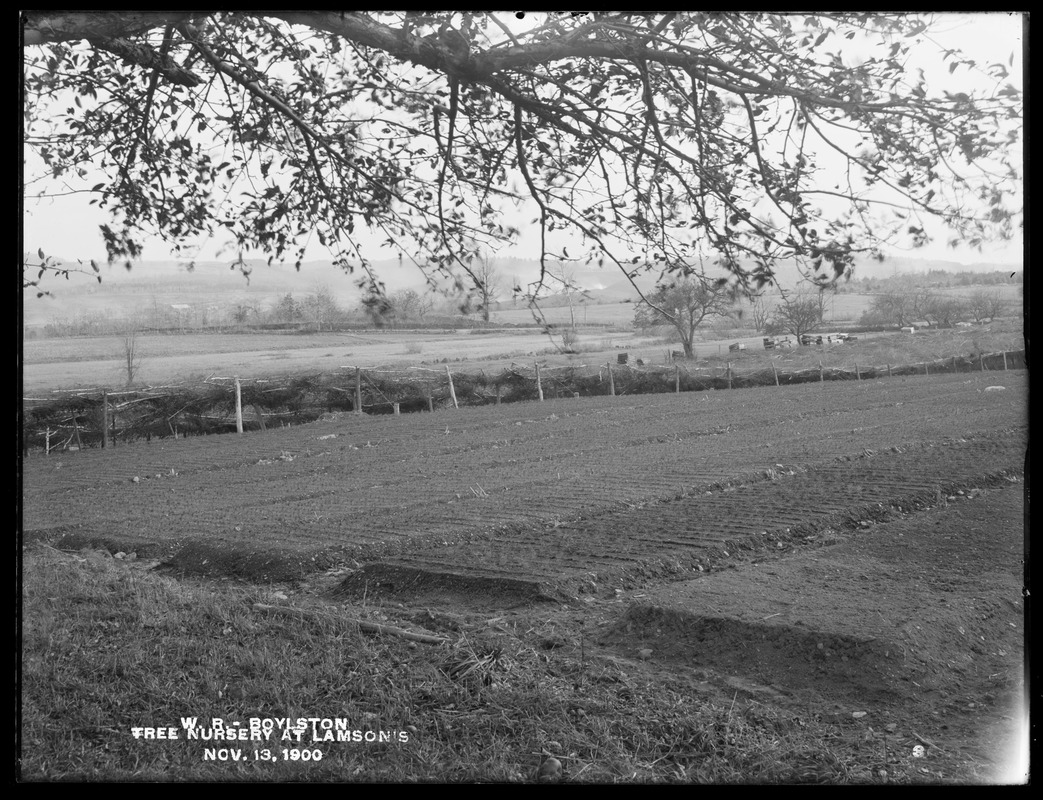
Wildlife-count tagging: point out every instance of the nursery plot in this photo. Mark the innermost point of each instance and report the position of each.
(628, 546)
(366, 487)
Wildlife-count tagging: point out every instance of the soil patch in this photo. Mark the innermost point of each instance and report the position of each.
(414, 583)
(921, 616)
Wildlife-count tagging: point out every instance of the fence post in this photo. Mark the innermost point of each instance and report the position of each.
(821, 373)
(104, 419)
(358, 389)
(888, 370)
(611, 381)
(452, 389)
(431, 403)
(677, 379)
(858, 375)
(238, 407)
(395, 409)
(729, 374)
(47, 441)
(954, 368)
(981, 361)
(775, 372)
(1004, 360)
(76, 430)
(539, 383)
(926, 370)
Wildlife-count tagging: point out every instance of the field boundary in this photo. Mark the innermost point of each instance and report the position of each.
(100, 417)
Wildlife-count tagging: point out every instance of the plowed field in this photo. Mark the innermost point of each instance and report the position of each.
(559, 493)
(847, 546)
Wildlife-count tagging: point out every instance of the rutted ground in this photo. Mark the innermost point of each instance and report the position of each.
(305, 498)
(783, 508)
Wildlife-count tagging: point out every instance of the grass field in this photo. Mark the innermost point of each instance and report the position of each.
(99, 362)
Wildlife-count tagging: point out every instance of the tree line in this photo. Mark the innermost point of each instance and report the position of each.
(683, 306)
(317, 311)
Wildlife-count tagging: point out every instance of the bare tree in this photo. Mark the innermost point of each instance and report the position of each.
(407, 305)
(321, 306)
(564, 276)
(945, 310)
(644, 138)
(130, 351)
(798, 314)
(758, 314)
(488, 283)
(924, 301)
(983, 305)
(893, 306)
(242, 312)
(684, 306)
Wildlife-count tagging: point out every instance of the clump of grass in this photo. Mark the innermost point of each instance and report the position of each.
(108, 647)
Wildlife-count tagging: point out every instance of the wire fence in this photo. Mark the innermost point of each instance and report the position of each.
(100, 417)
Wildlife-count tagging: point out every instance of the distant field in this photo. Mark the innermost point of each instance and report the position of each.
(842, 307)
(603, 334)
(610, 314)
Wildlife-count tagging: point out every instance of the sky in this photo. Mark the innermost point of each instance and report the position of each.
(68, 227)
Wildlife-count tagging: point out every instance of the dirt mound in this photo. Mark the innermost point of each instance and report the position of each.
(787, 659)
(256, 565)
(385, 579)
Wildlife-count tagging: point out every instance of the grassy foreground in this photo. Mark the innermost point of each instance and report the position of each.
(109, 646)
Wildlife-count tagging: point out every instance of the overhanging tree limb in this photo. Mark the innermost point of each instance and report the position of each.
(636, 136)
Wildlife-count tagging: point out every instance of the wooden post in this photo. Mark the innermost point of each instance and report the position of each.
(358, 389)
(888, 370)
(539, 383)
(729, 374)
(954, 367)
(858, 375)
(926, 370)
(821, 373)
(677, 379)
(981, 361)
(452, 389)
(238, 407)
(611, 382)
(1004, 360)
(430, 403)
(105, 419)
(47, 441)
(395, 409)
(775, 372)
